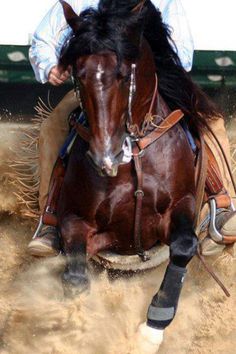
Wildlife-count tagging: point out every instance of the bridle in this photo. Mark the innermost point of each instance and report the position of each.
(132, 90)
(132, 130)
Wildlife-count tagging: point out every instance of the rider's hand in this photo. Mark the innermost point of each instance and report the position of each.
(57, 76)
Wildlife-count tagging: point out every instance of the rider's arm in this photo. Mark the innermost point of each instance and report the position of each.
(174, 16)
(47, 42)
(53, 31)
(49, 38)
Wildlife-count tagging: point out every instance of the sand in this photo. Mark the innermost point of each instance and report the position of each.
(37, 316)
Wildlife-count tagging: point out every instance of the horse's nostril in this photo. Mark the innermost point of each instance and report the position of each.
(108, 162)
(107, 167)
(95, 164)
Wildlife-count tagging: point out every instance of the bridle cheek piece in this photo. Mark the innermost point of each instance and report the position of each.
(132, 90)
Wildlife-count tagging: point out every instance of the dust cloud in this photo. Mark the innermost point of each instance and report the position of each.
(38, 316)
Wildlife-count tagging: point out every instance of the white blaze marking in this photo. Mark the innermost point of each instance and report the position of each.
(99, 73)
(107, 139)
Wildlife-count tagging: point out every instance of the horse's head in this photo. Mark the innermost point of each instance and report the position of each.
(114, 71)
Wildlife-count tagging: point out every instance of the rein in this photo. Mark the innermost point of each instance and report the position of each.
(133, 128)
(138, 152)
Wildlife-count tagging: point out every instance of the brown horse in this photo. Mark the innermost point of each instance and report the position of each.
(107, 202)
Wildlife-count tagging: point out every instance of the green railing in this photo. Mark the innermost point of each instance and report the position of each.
(211, 69)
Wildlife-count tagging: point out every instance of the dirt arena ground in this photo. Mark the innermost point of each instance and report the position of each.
(36, 316)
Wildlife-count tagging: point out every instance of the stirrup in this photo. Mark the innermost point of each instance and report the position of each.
(39, 227)
(213, 232)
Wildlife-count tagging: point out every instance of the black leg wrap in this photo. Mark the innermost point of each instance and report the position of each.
(164, 304)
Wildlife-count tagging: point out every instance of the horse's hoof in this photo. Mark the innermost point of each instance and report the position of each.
(148, 339)
(75, 284)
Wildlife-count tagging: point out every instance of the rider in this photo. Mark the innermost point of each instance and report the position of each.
(44, 53)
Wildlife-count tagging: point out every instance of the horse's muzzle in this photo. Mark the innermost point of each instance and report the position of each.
(105, 167)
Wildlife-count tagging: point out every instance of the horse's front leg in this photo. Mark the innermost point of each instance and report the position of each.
(183, 246)
(74, 233)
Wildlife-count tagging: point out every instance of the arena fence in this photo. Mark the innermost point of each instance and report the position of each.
(211, 69)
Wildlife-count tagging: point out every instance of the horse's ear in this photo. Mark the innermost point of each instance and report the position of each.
(138, 8)
(70, 16)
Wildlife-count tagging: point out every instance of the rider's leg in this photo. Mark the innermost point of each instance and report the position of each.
(226, 220)
(218, 128)
(53, 133)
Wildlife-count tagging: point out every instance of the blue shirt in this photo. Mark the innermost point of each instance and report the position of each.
(53, 31)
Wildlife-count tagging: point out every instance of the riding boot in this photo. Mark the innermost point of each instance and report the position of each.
(53, 133)
(218, 227)
(46, 244)
(45, 240)
(214, 240)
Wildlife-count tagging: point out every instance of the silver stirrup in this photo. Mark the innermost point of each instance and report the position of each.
(213, 232)
(39, 227)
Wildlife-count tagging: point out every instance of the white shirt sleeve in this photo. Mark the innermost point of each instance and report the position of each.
(174, 16)
(53, 31)
(50, 36)
(47, 42)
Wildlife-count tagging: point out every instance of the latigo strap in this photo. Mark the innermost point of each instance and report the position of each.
(172, 119)
(214, 184)
(58, 173)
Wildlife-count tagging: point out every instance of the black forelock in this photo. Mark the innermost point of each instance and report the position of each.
(111, 27)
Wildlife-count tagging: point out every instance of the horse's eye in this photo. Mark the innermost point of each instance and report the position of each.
(126, 78)
(123, 78)
(78, 82)
(81, 75)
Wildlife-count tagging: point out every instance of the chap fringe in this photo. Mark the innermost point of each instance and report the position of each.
(24, 169)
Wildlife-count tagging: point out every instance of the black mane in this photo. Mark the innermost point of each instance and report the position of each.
(114, 27)
(108, 28)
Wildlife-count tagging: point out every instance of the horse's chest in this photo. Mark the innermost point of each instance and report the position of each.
(111, 201)
(114, 205)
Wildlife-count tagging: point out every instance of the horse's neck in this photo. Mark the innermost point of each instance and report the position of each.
(145, 88)
(143, 104)
(162, 109)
